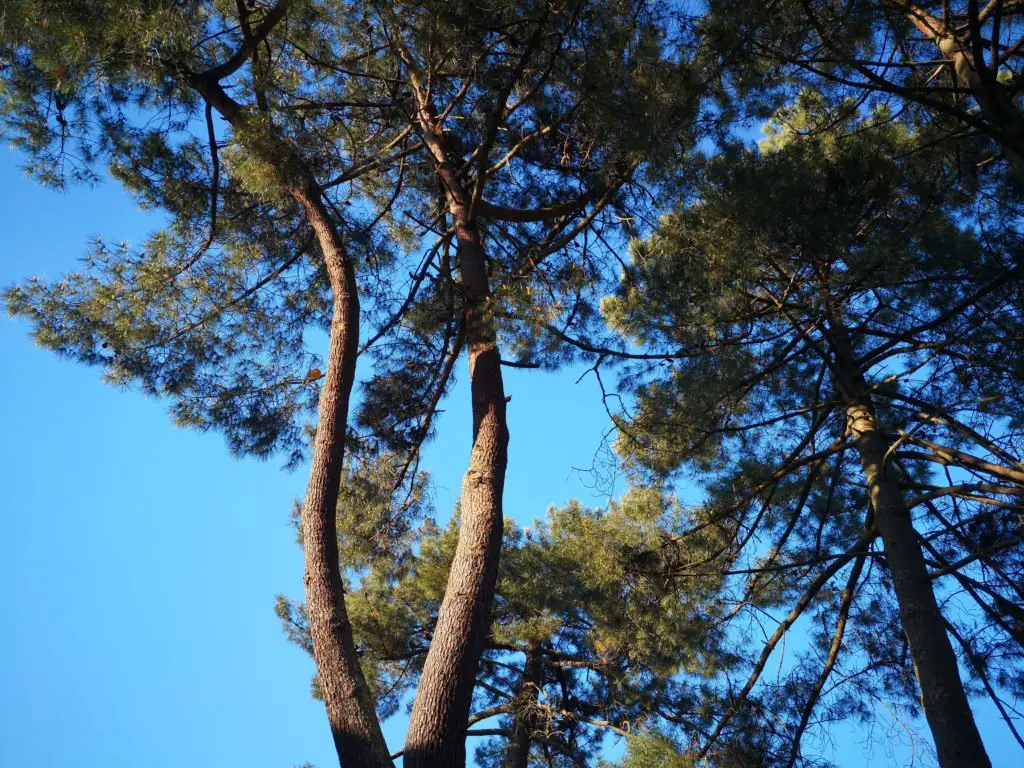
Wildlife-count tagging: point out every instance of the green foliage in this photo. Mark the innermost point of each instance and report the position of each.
(827, 220)
(654, 750)
(215, 311)
(575, 125)
(624, 635)
(874, 55)
(839, 231)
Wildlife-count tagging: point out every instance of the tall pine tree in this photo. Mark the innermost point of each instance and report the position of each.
(824, 342)
(311, 154)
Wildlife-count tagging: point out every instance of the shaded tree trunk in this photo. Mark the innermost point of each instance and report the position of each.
(971, 71)
(525, 712)
(943, 698)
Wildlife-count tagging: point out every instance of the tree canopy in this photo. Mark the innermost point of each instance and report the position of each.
(815, 341)
(818, 282)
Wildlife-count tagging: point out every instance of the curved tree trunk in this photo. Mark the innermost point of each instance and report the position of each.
(943, 698)
(350, 709)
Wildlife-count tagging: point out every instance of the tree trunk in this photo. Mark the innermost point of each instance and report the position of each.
(993, 98)
(440, 714)
(358, 738)
(436, 737)
(943, 698)
(350, 709)
(942, 693)
(525, 712)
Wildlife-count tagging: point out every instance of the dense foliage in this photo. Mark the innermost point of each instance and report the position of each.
(815, 338)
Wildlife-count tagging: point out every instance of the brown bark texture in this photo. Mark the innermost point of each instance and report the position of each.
(440, 715)
(347, 699)
(350, 709)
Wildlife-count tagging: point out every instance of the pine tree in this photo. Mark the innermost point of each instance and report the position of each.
(97, 69)
(539, 78)
(953, 67)
(310, 155)
(825, 339)
(823, 333)
(591, 636)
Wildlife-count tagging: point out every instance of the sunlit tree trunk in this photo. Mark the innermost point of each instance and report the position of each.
(350, 710)
(440, 715)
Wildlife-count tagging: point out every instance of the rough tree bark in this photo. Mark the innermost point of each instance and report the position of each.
(440, 715)
(350, 707)
(943, 698)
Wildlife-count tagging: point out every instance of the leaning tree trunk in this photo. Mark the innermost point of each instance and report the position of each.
(437, 730)
(350, 707)
(355, 728)
(943, 698)
(350, 710)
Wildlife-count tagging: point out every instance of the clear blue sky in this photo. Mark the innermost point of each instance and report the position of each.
(140, 562)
